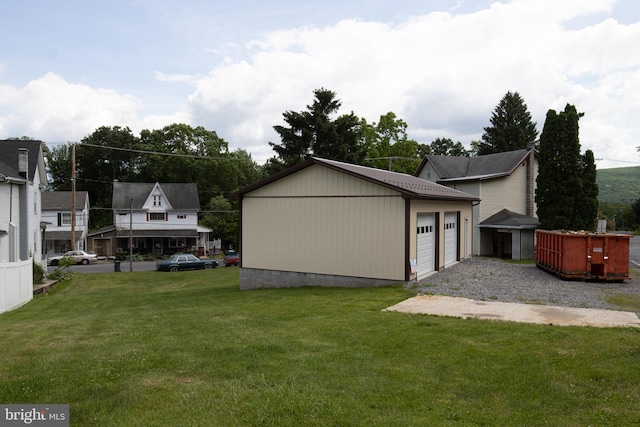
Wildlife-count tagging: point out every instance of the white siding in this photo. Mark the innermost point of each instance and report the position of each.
(426, 242)
(450, 238)
(5, 215)
(173, 221)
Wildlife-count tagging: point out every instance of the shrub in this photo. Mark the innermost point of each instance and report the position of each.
(61, 275)
(38, 273)
(63, 270)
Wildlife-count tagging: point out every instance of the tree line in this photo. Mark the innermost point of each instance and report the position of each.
(182, 153)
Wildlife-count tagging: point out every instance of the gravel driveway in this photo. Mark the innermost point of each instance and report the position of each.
(496, 280)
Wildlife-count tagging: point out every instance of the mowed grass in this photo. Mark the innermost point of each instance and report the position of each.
(190, 349)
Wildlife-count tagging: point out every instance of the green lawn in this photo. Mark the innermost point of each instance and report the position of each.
(190, 349)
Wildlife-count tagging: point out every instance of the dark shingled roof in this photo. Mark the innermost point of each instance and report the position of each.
(452, 168)
(9, 156)
(179, 195)
(507, 219)
(61, 200)
(410, 186)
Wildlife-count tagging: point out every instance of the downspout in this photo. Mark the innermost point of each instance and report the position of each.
(529, 185)
(407, 237)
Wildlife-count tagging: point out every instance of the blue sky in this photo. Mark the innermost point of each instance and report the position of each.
(68, 67)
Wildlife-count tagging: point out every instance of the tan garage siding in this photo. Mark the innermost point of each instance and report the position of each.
(320, 181)
(328, 223)
(325, 222)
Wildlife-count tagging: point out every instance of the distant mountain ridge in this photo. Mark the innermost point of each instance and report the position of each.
(619, 185)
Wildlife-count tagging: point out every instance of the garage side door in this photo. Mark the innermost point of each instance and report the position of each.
(426, 244)
(450, 238)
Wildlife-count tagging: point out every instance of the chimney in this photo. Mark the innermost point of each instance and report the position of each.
(23, 162)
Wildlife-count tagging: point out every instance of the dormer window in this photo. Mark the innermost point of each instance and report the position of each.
(157, 201)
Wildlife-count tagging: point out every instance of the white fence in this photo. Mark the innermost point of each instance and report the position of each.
(16, 284)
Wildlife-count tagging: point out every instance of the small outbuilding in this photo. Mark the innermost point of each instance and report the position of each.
(328, 223)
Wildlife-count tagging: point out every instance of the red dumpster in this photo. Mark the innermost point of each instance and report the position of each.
(583, 255)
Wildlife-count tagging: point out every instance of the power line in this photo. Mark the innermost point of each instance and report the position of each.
(158, 153)
(622, 161)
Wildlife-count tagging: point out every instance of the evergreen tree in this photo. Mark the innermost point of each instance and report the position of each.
(314, 133)
(588, 212)
(511, 127)
(566, 180)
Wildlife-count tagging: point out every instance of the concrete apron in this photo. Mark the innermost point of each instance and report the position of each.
(526, 313)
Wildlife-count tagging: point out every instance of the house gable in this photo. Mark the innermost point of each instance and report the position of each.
(408, 186)
(139, 196)
(157, 200)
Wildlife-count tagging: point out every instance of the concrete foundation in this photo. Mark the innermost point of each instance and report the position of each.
(253, 278)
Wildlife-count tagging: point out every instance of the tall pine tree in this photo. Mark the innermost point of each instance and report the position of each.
(588, 211)
(566, 192)
(511, 127)
(314, 133)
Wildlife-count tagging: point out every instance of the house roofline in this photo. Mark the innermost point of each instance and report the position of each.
(348, 169)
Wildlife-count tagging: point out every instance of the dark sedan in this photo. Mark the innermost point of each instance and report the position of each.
(185, 262)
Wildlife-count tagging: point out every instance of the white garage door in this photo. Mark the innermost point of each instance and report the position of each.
(426, 244)
(450, 238)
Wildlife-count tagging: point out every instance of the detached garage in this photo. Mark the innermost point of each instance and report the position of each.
(327, 223)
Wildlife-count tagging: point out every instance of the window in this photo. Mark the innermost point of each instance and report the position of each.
(65, 218)
(157, 201)
(175, 243)
(182, 216)
(156, 216)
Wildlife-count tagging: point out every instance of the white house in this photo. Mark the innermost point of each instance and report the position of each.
(159, 218)
(56, 216)
(505, 219)
(22, 176)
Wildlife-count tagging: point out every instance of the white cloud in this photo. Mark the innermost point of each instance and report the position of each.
(442, 73)
(51, 108)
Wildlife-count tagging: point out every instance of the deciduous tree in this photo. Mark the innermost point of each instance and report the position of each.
(446, 147)
(388, 145)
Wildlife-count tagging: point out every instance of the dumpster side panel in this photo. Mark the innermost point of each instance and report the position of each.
(618, 257)
(583, 255)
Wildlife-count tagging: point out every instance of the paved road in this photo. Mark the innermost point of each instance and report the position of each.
(634, 252)
(108, 267)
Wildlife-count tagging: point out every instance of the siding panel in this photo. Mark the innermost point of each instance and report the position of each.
(326, 222)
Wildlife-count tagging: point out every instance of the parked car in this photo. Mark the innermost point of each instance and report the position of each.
(231, 258)
(79, 257)
(185, 262)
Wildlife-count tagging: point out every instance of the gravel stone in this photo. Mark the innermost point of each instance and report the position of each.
(496, 280)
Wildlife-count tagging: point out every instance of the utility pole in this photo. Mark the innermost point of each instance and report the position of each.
(73, 197)
(131, 235)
